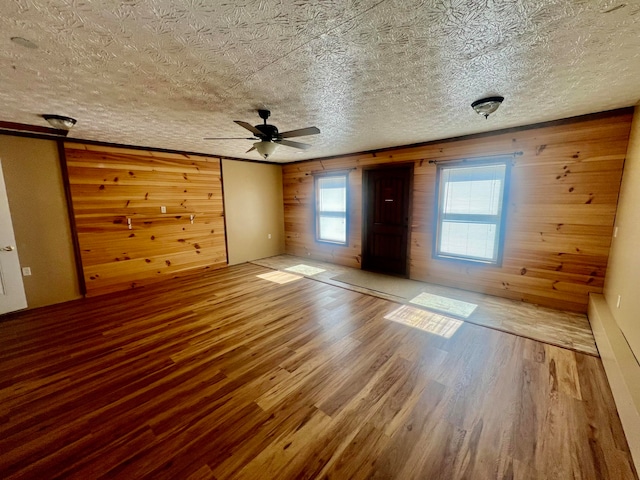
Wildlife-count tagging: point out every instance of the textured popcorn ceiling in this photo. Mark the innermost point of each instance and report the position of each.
(368, 73)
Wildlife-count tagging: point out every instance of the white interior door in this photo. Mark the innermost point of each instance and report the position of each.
(12, 296)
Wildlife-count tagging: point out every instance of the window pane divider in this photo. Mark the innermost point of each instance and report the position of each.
(471, 218)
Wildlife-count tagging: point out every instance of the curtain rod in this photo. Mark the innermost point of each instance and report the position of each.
(486, 157)
(331, 172)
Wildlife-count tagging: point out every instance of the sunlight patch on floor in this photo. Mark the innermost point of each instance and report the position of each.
(279, 277)
(305, 269)
(447, 305)
(427, 321)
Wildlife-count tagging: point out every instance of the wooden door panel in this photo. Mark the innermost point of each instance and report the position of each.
(386, 230)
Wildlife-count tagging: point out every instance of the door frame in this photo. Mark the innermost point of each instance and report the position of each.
(14, 291)
(366, 209)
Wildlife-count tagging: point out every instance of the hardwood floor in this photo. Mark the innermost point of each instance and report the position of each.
(227, 375)
(564, 329)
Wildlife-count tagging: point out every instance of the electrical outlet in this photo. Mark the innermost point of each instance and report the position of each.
(163, 209)
(618, 302)
(615, 232)
(269, 236)
(26, 271)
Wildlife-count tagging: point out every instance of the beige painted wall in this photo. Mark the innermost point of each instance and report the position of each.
(40, 220)
(617, 329)
(253, 209)
(622, 369)
(623, 272)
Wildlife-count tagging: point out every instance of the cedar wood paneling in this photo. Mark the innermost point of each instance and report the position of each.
(111, 185)
(560, 215)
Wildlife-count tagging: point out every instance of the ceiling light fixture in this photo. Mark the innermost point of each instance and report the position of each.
(265, 148)
(486, 106)
(60, 121)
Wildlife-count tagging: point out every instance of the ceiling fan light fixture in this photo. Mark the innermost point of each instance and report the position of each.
(486, 106)
(265, 148)
(60, 121)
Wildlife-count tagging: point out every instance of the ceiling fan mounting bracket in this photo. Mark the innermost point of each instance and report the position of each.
(264, 114)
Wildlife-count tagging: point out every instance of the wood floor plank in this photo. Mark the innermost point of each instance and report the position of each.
(225, 375)
(566, 329)
(359, 457)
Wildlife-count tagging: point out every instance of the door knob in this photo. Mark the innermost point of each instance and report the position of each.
(8, 248)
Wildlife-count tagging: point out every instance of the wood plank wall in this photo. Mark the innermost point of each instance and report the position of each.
(111, 185)
(561, 209)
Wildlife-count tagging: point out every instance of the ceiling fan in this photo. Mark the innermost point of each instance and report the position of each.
(268, 136)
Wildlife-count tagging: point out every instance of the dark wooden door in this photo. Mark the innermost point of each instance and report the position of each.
(386, 212)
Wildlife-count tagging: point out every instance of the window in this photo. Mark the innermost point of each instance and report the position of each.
(470, 215)
(331, 208)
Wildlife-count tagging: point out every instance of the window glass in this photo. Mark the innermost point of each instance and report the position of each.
(470, 211)
(332, 229)
(331, 208)
(476, 240)
(332, 195)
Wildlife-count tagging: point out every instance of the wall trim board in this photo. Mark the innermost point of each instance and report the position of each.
(473, 136)
(57, 135)
(226, 231)
(62, 157)
(622, 370)
(34, 129)
(162, 150)
(73, 144)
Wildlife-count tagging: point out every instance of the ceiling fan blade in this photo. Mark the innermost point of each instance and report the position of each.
(228, 138)
(252, 148)
(301, 132)
(249, 127)
(289, 143)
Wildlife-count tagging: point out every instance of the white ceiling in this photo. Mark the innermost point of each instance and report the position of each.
(368, 73)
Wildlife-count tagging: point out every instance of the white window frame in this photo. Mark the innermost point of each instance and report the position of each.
(318, 214)
(497, 220)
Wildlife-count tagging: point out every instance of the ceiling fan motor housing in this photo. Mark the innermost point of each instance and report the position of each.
(269, 132)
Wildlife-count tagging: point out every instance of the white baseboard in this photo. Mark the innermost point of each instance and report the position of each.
(622, 369)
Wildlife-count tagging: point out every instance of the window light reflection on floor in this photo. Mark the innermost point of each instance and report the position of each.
(447, 305)
(428, 321)
(279, 277)
(305, 269)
